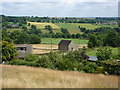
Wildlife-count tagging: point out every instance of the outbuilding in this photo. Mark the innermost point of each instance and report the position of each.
(23, 49)
(67, 45)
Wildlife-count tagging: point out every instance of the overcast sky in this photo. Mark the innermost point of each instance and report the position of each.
(60, 8)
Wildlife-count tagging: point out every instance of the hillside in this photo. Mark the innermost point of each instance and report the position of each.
(71, 27)
(29, 77)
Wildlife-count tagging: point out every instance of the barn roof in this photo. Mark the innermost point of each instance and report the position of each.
(65, 42)
(93, 58)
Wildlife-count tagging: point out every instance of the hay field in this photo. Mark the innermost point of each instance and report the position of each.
(30, 77)
(42, 25)
(44, 48)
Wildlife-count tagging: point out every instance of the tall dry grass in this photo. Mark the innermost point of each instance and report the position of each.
(29, 77)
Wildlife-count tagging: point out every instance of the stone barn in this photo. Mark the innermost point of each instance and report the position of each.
(67, 45)
(23, 49)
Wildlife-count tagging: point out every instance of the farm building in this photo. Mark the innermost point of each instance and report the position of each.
(67, 45)
(89, 58)
(23, 49)
(92, 58)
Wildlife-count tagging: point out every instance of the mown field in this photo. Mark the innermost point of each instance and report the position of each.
(71, 27)
(93, 52)
(30, 77)
(57, 40)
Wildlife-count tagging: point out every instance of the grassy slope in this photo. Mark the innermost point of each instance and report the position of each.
(57, 40)
(29, 77)
(72, 27)
(93, 52)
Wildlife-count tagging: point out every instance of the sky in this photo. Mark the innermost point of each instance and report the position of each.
(60, 8)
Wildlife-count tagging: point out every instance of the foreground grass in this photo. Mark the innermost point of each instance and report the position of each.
(29, 77)
(57, 40)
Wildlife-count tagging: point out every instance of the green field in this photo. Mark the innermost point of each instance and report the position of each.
(57, 40)
(73, 27)
(14, 29)
(93, 52)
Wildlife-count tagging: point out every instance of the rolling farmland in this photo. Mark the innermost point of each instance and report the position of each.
(57, 40)
(71, 27)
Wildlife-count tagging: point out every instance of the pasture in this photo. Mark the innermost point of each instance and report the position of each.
(31, 77)
(71, 27)
(93, 52)
(57, 40)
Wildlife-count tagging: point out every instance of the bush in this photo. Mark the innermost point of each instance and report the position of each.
(104, 53)
(44, 62)
(111, 66)
(90, 68)
(22, 62)
(74, 56)
(17, 62)
(31, 57)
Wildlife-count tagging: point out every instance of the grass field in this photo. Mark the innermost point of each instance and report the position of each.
(57, 40)
(93, 52)
(30, 77)
(42, 25)
(71, 27)
(14, 29)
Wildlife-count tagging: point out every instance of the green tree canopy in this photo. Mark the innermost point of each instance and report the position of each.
(8, 51)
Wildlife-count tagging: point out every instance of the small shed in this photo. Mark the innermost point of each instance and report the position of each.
(92, 58)
(67, 45)
(14, 25)
(23, 49)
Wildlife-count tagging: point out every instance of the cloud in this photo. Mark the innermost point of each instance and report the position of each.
(79, 9)
(69, 1)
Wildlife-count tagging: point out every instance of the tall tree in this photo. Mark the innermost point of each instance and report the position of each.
(8, 51)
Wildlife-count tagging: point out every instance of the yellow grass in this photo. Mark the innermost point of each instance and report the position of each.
(14, 29)
(42, 25)
(44, 48)
(29, 77)
(47, 48)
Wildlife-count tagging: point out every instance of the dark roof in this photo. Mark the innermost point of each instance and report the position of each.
(14, 25)
(84, 55)
(93, 58)
(65, 42)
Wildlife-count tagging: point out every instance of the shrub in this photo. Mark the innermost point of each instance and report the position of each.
(17, 62)
(104, 53)
(111, 66)
(74, 56)
(44, 62)
(31, 57)
(90, 68)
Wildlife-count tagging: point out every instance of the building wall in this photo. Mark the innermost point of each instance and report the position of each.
(73, 47)
(22, 53)
(62, 47)
(70, 47)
